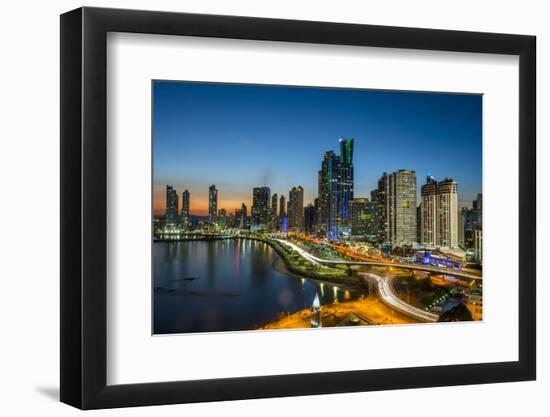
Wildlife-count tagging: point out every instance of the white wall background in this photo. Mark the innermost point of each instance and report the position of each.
(29, 213)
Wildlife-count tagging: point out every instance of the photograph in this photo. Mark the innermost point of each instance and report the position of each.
(279, 207)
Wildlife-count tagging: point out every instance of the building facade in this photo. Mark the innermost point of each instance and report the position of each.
(428, 212)
(282, 206)
(360, 218)
(273, 212)
(310, 219)
(296, 209)
(478, 245)
(401, 207)
(439, 213)
(172, 207)
(335, 192)
(212, 204)
(378, 200)
(345, 185)
(185, 213)
(260, 214)
(447, 210)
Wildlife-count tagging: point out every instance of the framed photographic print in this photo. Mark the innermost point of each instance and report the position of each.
(259, 207)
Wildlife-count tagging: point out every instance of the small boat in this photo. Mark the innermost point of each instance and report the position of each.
(190, 278)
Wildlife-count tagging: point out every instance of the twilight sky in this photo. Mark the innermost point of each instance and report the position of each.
(243, 136)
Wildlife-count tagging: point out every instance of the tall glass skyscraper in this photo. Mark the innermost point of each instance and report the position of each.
(212, 204)
(282, 206)
(185, 220)
(335, 189)
(345, 184)
(172, 206)
(260, 208)
(378, 199)
(296, 209)
(273, 219)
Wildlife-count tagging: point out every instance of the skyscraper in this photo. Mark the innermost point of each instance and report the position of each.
(428, 212)
(282, 206)
(478, 245)
(185, 220)
(345, 183)
(310, 219)
(439, 213)
(260, 208)
(212, 204)
(461, 226)
(335, 191)
(401, 207)
(359, 218)
(222, 218)
(238, 219)
(328, 180)
(479, 211)
(273, 219)
(447, 210)
(378, 199)
(172, 209)
(244, 216)
(296, 209)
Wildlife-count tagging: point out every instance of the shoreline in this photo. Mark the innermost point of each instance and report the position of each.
(344, 282)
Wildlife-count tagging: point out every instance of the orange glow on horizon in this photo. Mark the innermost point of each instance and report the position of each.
(200, 208)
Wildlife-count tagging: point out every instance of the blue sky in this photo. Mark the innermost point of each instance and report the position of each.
(242, 136)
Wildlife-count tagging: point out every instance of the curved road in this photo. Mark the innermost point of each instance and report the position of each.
(389, 298)
(444, 271)
(383, 288)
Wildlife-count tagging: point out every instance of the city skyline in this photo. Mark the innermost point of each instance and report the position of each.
(281, 158)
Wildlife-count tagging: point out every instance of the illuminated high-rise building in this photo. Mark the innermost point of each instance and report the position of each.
(478, 208)
(401, 207)
(172, 207)
(478, 244)
(222, 217)
(428, 212)
(244, 218)
(273, 213)
(447, 210)
(345, 184)
(260, 208)
(328, 180)
(185, 216)
(335, 191)
(360, 218)
(282, 206)
(439, 213)
(238, 219)
(461, 226)
(212, 204)
(310, 219)
(296, 209)
(378, 200)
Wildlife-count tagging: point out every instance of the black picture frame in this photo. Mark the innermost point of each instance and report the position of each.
(84, 207)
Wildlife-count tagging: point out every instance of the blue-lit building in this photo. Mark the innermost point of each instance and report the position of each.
(284, 224)
(426, 258)
(335, 189)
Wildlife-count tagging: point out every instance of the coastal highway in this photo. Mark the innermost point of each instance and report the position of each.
(387, 295)
(413, 267)
(384, 290)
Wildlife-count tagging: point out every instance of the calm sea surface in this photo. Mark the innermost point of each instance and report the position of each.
(224, 285)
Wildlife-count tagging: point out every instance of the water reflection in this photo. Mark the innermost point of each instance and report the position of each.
(203, 286)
